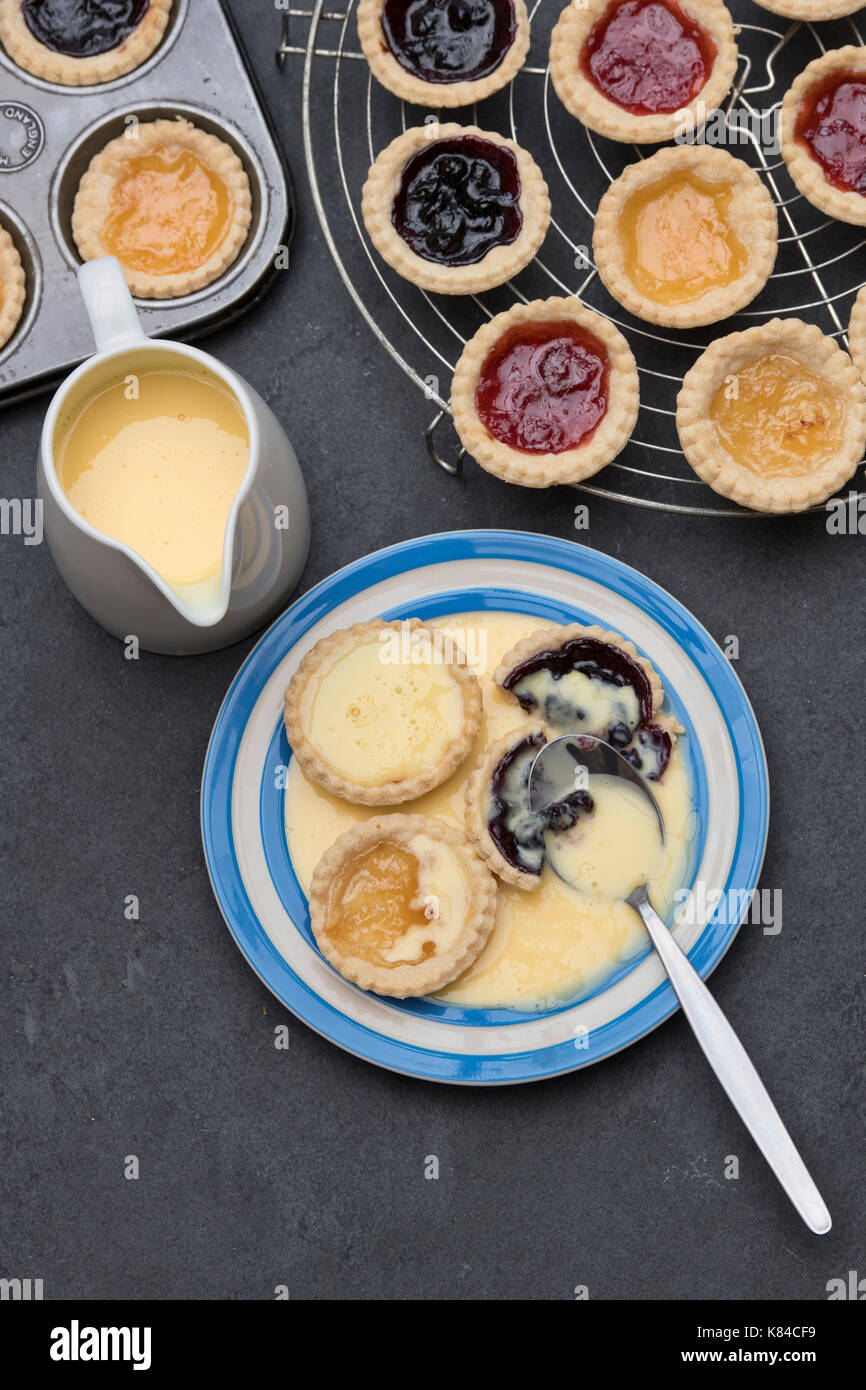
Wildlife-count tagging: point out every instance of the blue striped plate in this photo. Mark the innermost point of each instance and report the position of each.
(243, 822)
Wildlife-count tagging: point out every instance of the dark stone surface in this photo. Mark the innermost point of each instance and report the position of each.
(262, 1167)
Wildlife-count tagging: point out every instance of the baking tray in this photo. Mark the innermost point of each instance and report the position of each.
(48, 135)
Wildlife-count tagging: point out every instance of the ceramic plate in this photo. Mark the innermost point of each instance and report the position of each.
(243, 814)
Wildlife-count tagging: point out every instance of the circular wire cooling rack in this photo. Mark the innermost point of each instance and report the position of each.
(348, 118)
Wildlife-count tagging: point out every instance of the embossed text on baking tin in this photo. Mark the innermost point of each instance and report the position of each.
(22, 136)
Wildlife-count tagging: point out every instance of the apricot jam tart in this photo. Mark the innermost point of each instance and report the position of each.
(824, 133)
(379, 713)
(686, 237)
(640, 70)
(443, 53)
(455, 209)
(78, 45)
(545, 393)
(575, 680)
(402, 905)
(775, 417)
(171, 202)
(13, 290)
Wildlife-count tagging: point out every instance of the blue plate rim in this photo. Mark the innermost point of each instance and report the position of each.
(347, 582)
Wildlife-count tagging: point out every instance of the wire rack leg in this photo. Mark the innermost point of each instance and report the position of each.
(454, 469)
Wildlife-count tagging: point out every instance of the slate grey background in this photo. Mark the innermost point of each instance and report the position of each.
(305, 1167)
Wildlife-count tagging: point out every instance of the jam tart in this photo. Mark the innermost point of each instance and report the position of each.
(402, 905)
(823, 131)
(171, 201)
(570, 680)
(455, 209)
(811, 11)
(686, 237)
(380, 713)
(545, 393)
(857, 333)
(633, 70)
(439, 53)
(80, 45)
(773, 418)
(13, 289)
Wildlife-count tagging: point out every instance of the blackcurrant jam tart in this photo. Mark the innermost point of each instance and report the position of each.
(632, 69)
(686, 237)
(545, 393)
(775, 417)
(79, 45)
(13, 290)
(402, 905)
(824, 133)
(570, 680)
(455, 209)
(379, 714)
(443, 53)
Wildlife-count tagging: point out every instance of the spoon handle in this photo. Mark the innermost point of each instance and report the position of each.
(729, 1060)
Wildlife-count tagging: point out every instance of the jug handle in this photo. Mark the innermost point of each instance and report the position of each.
(109, 305)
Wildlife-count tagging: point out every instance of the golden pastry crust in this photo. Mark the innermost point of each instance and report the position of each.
(93, 203)
(477, 797)
(438, 970)
(544, 470)
(500, 263)
(811, 10)
(13, 287)
(724, 358)
(589, 105)
(857, 333)
(313, 759)
(547, 639)
(34, 57)
(753, 221)
(439, 95)
(803, 168)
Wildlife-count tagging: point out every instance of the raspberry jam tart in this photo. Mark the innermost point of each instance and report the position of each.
(824, 134)
(443, 52)
(545, 393)
(455, 209)
(643, 70)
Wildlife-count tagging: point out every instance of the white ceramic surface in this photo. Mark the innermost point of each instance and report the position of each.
(261, 562)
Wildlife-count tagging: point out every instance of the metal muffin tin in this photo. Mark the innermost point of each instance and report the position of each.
(49, 134)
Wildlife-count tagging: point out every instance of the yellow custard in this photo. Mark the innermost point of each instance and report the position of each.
(778, 418)
(678, 240)
(547, 945)
(169, 212)
(381, 717)
(154, 458)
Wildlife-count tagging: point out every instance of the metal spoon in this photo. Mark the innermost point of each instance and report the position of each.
(555, 773)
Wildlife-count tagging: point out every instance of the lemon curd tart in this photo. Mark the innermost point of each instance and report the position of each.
(775, 417)
(686, 237)
(548, 945)
(153, 456)
(79, 45)
(402, 904)
(171, 201)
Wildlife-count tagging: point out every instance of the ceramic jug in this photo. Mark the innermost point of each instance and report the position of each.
(267, 533)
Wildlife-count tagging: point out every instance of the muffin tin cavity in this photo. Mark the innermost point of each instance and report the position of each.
(76, 161)
(46, 145)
